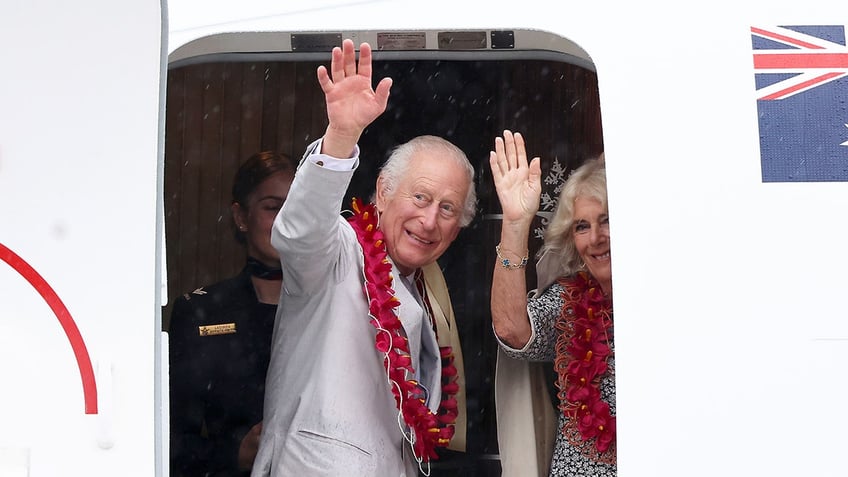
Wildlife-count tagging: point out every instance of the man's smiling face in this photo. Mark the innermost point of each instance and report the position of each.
(421, 217)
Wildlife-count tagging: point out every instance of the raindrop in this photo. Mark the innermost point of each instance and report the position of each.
(59, 230)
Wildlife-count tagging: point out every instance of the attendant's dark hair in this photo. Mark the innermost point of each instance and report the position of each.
(253, 172)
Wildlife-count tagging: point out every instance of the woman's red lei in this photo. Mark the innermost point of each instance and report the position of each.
(582, 350)
(429, 430)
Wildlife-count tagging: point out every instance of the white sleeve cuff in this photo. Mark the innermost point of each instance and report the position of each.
(333, 163)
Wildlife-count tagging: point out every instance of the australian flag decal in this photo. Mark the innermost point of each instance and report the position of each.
(801, 77)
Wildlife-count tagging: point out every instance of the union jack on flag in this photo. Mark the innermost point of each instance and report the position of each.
(801, 77)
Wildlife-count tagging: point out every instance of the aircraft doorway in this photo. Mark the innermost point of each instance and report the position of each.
(224, 106)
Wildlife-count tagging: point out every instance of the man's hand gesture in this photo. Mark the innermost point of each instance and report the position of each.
(351, 102)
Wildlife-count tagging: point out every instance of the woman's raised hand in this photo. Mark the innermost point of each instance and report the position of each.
(519, 184)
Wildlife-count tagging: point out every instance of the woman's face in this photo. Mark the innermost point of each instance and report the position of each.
(256, 218)
(592, 239)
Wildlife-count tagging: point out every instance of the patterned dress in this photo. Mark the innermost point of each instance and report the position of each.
(544, 310)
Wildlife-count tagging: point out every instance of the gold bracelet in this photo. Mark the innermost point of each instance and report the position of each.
(505, 261)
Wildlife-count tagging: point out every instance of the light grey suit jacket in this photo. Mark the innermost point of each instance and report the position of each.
(328, 409)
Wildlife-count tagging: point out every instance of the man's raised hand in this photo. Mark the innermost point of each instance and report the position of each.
(352, 104)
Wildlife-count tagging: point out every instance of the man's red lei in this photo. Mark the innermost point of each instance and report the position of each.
(429, 430)
(582, 350)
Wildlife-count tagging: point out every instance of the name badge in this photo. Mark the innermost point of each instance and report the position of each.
(222, 329)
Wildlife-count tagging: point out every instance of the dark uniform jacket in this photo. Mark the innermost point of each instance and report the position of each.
(220, 340)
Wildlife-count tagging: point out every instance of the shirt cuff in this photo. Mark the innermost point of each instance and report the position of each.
(333, 163)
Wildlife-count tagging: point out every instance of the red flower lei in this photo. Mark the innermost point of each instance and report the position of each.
(582, 350)
(429, 430)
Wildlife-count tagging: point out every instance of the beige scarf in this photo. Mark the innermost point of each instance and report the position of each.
(448, 334)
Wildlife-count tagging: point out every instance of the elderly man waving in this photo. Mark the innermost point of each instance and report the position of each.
(362, 379)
